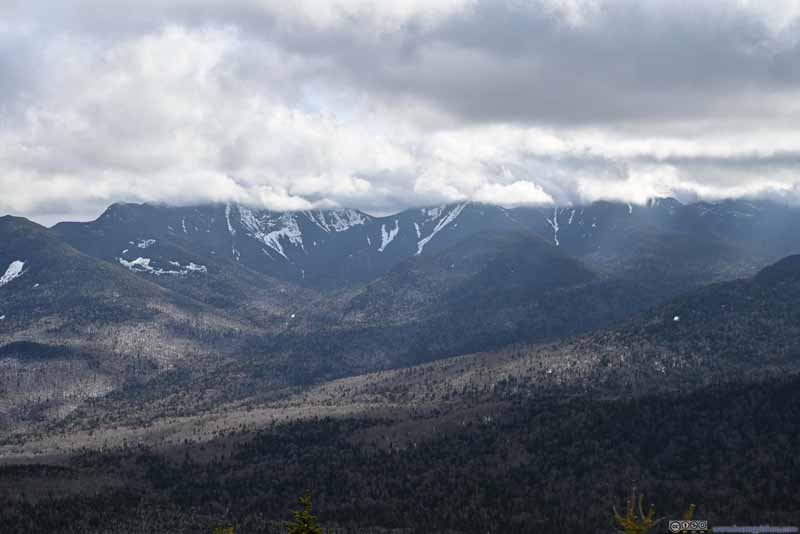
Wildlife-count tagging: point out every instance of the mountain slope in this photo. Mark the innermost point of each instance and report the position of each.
(73, 327)
(488, 290)
(54, 278)
(691, 244)
(194, 260)
(741, 330)
(506, 440)
(711, 345)
(488, 264)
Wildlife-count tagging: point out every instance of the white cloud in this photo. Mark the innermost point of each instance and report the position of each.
(641, 184)
(378, 16)
(167, 117)
(518, 193)
(385, 105)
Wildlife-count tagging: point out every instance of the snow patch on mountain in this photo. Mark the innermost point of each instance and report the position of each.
(194, 267)
(139, 264)
(146, 243)
(231, 230)
(433, 213)
(143, 265)
(337, 220)
(346, 219)
(318, 218)
(441, 225)
(388, 236)
(13, 271)
(261, 229)
(554, 224)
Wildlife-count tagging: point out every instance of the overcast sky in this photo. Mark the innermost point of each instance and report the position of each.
(383, 105)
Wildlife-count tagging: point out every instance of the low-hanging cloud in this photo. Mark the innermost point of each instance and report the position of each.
(385, 105)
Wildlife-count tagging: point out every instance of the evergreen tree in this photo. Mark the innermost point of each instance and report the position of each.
(304, 522)
(633, 524)
(641, 524)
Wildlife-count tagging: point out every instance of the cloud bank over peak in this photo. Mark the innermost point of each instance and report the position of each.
(386, 105)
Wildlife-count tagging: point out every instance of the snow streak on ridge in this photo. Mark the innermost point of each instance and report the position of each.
(554, 224)
(262, 230)
(388, 237)
(441, 225)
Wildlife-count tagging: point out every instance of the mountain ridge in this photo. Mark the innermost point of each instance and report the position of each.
(331, 249)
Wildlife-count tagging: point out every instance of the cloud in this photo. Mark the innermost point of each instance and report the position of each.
(386, 105)
(518, 193)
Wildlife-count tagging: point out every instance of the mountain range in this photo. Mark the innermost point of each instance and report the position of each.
(339, 248)
(178, 327)
(321, 294)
